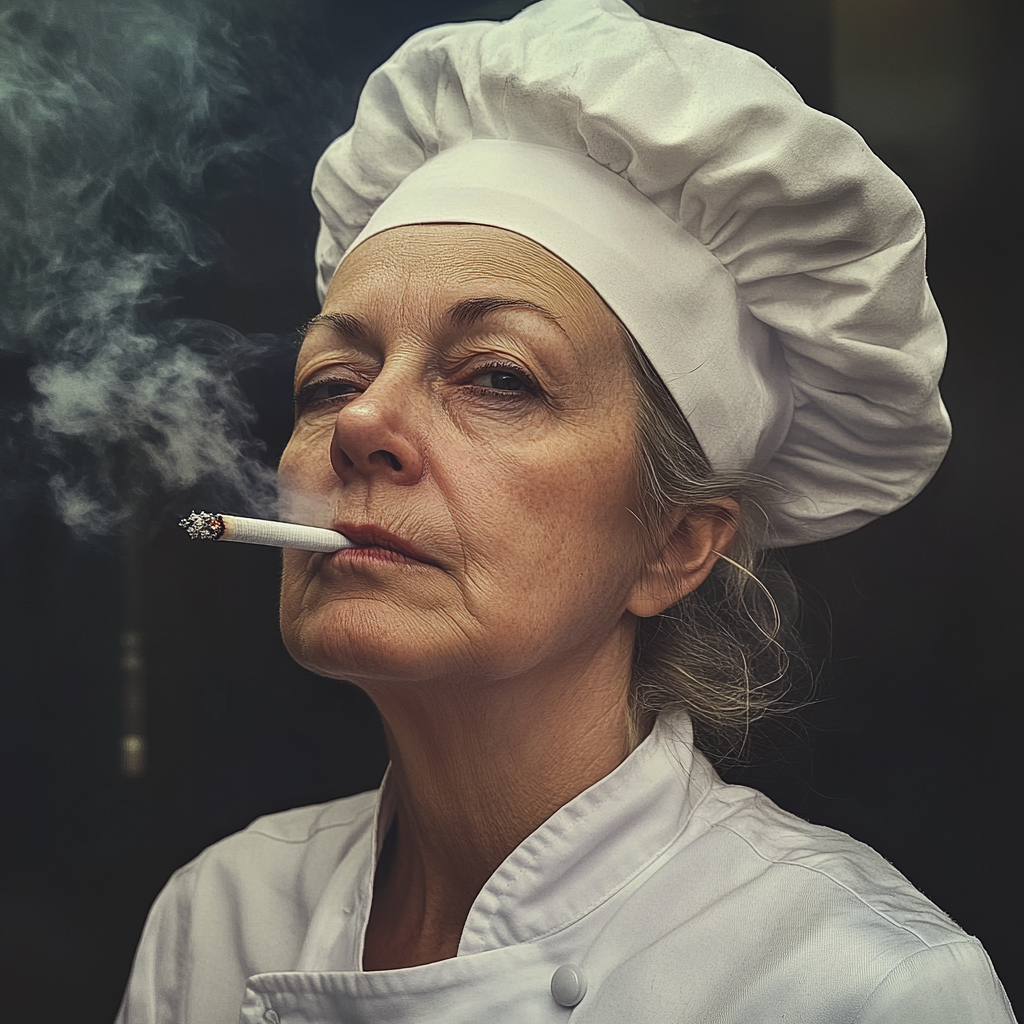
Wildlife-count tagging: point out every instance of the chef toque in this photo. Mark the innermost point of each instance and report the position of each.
(769, 265)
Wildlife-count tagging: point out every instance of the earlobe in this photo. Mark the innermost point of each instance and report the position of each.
(688, 556)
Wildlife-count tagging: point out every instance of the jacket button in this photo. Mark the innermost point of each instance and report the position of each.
(568, 985)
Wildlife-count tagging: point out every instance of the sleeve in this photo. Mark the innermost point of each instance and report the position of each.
(949, 984)
(157, 991)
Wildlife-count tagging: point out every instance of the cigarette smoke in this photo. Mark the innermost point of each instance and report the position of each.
(123, 125)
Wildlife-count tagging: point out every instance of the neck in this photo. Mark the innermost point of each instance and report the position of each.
(475, 770)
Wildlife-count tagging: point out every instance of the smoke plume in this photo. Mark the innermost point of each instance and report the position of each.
(123, 123)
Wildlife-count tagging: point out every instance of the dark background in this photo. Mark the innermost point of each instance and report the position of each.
(913, 745)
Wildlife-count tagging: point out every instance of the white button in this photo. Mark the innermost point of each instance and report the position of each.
(568, 985)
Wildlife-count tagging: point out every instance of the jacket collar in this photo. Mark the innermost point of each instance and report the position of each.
(594, 845)
(586, 852)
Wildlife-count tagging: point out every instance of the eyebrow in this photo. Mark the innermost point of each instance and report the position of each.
(463, 313)
(469, 311)
(345, 324)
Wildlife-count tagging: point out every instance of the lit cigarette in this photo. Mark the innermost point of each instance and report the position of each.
(207, 526)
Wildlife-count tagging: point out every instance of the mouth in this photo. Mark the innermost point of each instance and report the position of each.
(379, 544)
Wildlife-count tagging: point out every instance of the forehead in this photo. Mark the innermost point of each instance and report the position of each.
(419, 270)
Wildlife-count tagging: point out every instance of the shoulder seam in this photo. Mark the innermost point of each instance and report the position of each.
(305, 839)
(254, 827)
(842, 885)
(968, 940)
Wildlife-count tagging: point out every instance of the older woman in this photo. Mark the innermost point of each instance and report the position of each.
(605, 306)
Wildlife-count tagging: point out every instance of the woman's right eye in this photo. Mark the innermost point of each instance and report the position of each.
(322, 392)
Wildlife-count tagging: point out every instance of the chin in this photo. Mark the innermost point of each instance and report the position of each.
(362, 645)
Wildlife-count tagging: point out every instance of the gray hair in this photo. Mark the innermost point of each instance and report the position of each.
(724, 652)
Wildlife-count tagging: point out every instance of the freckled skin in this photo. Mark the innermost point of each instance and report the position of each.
(522, 499)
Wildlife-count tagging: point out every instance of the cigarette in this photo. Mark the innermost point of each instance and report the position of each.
(208, 526)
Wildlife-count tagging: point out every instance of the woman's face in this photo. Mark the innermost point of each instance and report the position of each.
(464, 406)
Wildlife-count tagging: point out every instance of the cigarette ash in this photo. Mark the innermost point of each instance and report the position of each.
(203, 526)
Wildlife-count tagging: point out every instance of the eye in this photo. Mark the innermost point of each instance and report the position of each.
(502, 379)
(321, 392)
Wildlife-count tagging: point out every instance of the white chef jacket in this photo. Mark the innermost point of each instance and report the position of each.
(671, 896)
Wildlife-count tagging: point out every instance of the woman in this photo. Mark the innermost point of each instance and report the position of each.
(605, 306)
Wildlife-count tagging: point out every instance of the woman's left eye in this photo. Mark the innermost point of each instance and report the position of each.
(502, 380)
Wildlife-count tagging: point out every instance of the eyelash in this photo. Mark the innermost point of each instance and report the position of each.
(304, 395)
(304, 399)
(513, 370)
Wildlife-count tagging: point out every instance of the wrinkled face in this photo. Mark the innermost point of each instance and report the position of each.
(464, 408)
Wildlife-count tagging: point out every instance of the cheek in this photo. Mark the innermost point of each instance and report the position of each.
(582, 483)
(305, 476)
(548, 524)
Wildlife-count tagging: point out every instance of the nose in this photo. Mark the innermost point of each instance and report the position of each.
(372, 438)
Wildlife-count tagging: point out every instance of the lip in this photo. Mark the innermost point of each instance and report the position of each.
(369, 536)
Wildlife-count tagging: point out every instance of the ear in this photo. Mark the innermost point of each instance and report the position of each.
(688, 555)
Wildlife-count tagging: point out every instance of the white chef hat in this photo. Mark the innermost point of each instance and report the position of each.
(768, 264)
